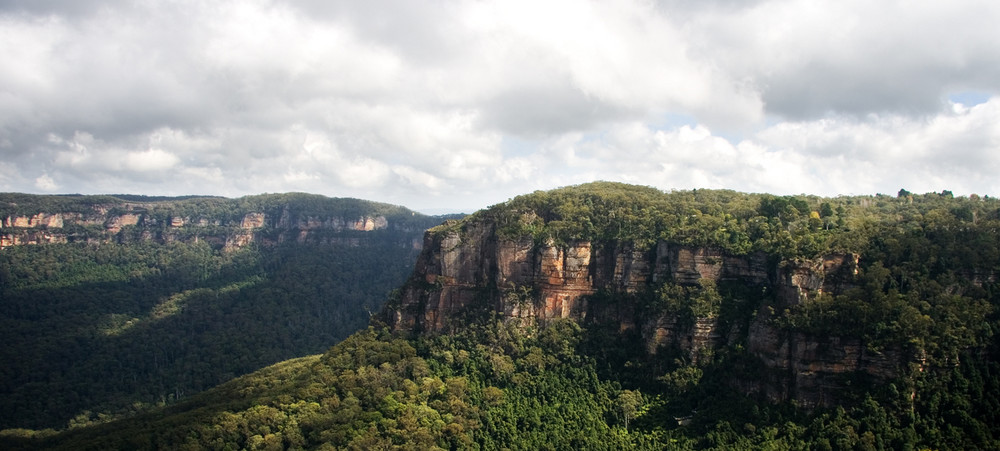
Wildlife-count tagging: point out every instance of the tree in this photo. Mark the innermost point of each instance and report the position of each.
(629, 402)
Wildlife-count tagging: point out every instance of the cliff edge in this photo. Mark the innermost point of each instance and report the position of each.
(648, 272)
(232, 223)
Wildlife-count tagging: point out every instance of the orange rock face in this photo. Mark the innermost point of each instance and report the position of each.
(563, 279)
(475, 271)
(252, 227)
(253, 221)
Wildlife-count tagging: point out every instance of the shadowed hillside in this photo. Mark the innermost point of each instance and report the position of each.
(609, 316)
(137, 302)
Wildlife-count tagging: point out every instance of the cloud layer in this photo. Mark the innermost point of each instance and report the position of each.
(467, 103)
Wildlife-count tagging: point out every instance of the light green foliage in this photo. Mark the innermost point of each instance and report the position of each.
(629, 402)
(376, 390)
(926, 288)
(382, 391)
(735, 222)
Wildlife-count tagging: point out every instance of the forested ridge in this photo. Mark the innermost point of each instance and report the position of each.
(113, 324)
(925, 288)
(930, 262)
(225, 210)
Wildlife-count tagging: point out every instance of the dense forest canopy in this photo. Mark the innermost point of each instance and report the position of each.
(119, 322)
(494, 387)
(926, 288)
(739, 223)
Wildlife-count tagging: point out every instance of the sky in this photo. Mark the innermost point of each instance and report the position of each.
(457, 105)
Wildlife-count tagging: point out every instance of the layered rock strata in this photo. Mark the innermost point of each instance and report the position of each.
(99, 225)
(462, 272)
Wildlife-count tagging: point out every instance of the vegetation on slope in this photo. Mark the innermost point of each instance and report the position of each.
(738, 223)
(96, 331)
(927, 282)
(490, 388)
(226, 210)
(495, 387)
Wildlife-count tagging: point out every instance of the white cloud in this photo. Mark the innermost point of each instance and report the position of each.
(418, 178)
(830, 156)
(45, 183)
(150, 160)
(418, 103)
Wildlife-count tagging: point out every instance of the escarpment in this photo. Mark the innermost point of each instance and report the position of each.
(465, 273)
(232, 223)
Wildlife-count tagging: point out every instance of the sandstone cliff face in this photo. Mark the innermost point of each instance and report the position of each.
(39, 220)
(474, 270)
(99, 224)
(34, 237)
(462, 267)
(115, 223)
(810, 369)
(253, 221)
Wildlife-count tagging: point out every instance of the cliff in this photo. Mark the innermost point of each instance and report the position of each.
(232, 223)
(469, 270)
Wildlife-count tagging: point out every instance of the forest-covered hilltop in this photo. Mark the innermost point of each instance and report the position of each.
(135, 302)
(610, 316)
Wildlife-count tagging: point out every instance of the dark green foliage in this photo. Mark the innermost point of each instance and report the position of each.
(97, 331)
(15, 204)
(114, 328)
(500, 386)
(737, 223)
(926, 289)
(376, 391)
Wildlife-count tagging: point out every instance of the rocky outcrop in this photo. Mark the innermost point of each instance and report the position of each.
(158, 221)
(473, 271)
(812, 369)
(253, 220)
(462, 266)
(52, 221)
(34, 237)
(115, 223)
(239, 240)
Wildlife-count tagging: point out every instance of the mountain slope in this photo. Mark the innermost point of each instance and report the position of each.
(607, 316)
(134, 303)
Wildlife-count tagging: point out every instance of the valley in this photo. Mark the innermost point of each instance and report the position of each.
(611, 316)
